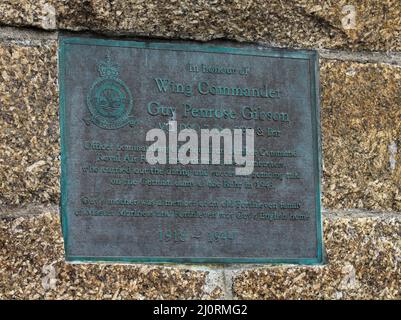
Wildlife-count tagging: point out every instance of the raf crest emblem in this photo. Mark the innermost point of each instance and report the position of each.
(109, 100)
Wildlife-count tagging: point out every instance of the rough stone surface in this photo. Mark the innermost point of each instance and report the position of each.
(363, 253)
(29, 130)
(364, 256)
(361, 126)
(368, 25)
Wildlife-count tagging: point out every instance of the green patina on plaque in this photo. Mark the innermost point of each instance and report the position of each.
(117, 207)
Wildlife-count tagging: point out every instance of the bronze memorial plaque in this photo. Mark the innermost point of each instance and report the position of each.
(183, 152)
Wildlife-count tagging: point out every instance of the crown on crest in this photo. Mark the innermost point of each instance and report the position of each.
(107, 68)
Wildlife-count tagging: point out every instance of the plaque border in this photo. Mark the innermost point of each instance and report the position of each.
(311, 55)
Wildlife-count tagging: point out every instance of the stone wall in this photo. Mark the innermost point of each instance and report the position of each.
(359, 43)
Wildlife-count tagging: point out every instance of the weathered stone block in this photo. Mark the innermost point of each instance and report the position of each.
(361, 126)
(368, 25)
(29, 130)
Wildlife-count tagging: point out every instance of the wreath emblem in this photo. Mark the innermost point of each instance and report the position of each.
(109, 99)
